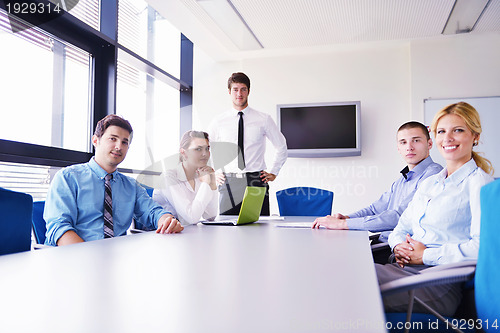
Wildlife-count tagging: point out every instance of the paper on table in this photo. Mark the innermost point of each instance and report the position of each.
(309, 225)
(271, 218)
(296, 225)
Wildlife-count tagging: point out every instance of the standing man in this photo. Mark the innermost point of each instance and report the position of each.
(414, 143)
(249, 129)
(93, 200)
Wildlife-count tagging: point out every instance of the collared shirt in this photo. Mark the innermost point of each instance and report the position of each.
(384, 213)
(445, 215)
(75, 201)
(258, 127)
(186, 203)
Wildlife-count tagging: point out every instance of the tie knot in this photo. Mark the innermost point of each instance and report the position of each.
(240, 113)
(108, 177)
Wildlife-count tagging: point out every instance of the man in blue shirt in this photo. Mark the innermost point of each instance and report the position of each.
(74, 208)
(414, 143)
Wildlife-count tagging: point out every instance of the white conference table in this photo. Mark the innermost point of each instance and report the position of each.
(251, 278)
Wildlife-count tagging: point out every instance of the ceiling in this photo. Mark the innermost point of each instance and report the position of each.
(289, 25)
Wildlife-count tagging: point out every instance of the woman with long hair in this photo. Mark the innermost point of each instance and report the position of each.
(189, 190)
(441, 223)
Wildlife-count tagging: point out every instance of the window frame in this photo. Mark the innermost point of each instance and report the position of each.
(104, 47)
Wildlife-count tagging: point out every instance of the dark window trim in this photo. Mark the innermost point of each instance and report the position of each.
(19, 152)
(186, 95)
(104, 48)
(148, 67)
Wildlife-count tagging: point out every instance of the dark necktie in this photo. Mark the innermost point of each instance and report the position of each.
(241, 155)
(108, 208)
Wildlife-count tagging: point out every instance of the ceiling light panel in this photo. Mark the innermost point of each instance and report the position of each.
(299, 23)
(490, 20)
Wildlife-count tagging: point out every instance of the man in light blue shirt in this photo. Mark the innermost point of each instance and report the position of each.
(74, 208)
(414, 143)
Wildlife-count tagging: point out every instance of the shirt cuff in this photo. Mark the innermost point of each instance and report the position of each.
(58, 234)
(357, 223)
(274, 172)
(394, 240)
(353, 215)
(431, 256)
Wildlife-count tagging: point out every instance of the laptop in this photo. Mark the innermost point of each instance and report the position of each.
(250, 208)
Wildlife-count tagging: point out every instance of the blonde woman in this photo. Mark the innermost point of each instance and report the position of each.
(189, 190)
(441, 223)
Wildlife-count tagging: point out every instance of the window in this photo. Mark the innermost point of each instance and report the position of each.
(152, 107)
(26, 178)
(47, 83)
(143, 31)
(57, 82)
(87, 11)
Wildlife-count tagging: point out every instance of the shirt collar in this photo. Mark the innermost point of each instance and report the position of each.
(100, 172)
(405, 172)
(418, 169)
(181, 174)
(245, 110)
(458, 176)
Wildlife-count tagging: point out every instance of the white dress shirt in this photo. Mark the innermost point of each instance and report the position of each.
(187, 204)
(258, 126)
(445, 215)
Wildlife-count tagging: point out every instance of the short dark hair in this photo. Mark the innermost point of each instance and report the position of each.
(416, 124)
(238, 77)
(112, 120)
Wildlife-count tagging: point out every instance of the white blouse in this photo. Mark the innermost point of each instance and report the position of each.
(445, 215)
(187, 204)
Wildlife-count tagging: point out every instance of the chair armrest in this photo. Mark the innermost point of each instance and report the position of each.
(438, 277)
(379, 247)
(467, 263)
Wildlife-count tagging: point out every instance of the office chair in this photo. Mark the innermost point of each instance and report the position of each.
(427, 322)
(39, 225)
(304, 201)
(15, 221)
(487, 288)
(138, 227)
(484, 286)
(149, 189)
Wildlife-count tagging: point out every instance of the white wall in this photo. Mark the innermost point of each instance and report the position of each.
(457, 66)
(390, 80)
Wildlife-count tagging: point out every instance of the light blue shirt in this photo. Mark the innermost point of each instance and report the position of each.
(75, 201)
(445, 215)
(384, 213)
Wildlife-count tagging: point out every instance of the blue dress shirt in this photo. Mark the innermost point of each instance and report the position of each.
(75, 201)
(445, 215)
(384, 213)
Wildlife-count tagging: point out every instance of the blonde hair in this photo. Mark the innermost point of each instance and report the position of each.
(471, 118)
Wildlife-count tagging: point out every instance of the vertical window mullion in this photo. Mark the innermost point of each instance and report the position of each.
(58, 94)
(186, 95)
(150, 87)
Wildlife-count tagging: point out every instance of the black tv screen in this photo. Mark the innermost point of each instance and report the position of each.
(321, 130)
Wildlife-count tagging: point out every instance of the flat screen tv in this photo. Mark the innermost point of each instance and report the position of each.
(321, 129)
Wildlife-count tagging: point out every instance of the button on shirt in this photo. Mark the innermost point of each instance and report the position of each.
(384, 213)
(258, 127)
(187, 204)
(445, 215)
(75, 201)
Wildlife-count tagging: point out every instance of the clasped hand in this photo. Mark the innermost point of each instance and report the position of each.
(409, 252)
(207, 175)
